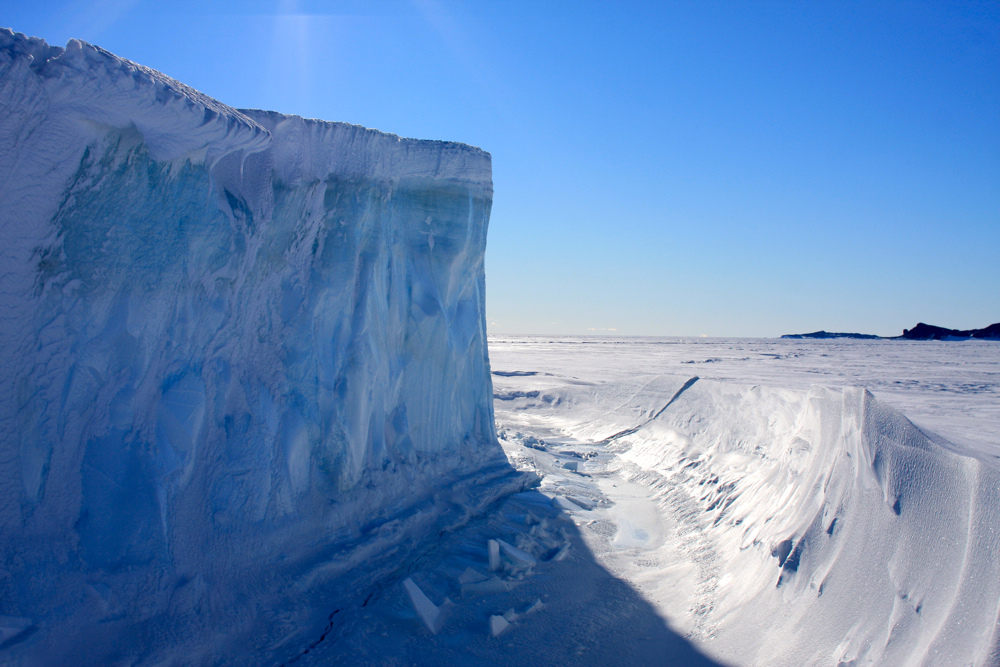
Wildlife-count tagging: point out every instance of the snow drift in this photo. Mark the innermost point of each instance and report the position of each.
(235, 344)
(823, 527)
(841, 533)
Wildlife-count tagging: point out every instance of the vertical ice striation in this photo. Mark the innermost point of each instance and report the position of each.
(234, 343)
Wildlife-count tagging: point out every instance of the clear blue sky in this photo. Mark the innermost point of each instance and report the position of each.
(660, 168)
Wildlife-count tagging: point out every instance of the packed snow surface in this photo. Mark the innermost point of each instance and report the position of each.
(242, 352)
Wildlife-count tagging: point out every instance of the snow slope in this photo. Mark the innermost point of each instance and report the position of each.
(775, 524)
(241, 351)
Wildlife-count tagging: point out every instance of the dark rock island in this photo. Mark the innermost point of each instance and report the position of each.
(828, 334)
(930, 332)
(920, 332)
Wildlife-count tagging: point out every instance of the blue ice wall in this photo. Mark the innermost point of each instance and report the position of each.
(233, 342)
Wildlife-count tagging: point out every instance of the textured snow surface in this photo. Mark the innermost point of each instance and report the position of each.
(241, 353)
(785, 523)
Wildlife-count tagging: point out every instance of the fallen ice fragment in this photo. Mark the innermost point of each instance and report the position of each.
(526, 543)
(497, 625)
(565, 504)
(562, 553)
(571, 465)
(542, 538)
(432, 615)
(516, 555)
(535, 608)
(494, 549)
(539, 529)
(582, 502)
(531, 520)
(510, 615)
(491, 585)
(471, 576)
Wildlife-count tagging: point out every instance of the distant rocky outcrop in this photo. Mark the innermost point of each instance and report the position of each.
(829, 334)
(930, 332)
(920, 332)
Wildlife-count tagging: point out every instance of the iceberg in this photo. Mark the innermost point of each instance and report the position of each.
(242, 352)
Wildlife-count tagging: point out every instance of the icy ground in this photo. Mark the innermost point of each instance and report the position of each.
(743, 517)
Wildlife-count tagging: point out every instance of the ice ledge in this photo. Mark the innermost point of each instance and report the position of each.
(307, 148)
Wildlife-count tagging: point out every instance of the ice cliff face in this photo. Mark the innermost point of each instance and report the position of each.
(234, 344)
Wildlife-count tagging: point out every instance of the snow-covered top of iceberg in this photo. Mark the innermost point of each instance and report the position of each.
(89, 83)
(311, 146)
(177, 121)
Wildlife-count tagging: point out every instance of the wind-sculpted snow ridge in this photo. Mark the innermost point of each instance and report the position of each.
(840, 531)
(825, 528)
(242, 351)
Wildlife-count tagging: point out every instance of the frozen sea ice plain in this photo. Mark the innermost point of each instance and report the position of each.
(242, 353)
